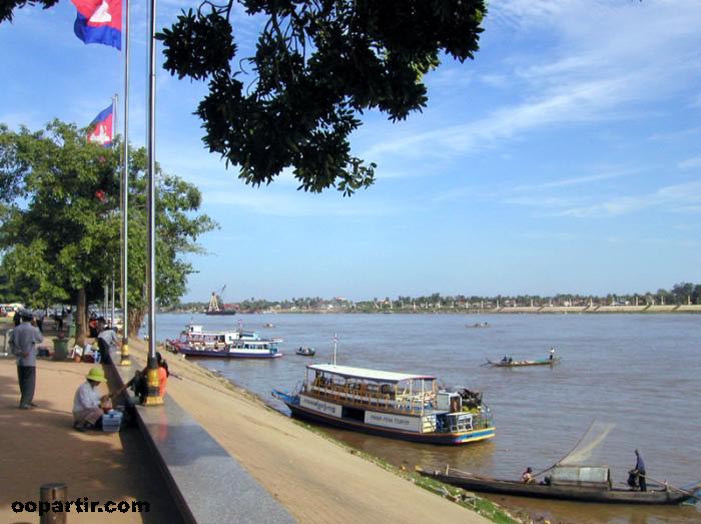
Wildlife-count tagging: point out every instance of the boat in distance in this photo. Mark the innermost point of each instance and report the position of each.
(388, 404)
(575, 483)
(305, 351)
(510, 363)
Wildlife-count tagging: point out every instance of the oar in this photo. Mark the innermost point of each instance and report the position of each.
(668, 485)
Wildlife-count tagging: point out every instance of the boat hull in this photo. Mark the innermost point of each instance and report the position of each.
(227, 312)
(186, 349)
(574, 493)
(446, 439)
(524, 363)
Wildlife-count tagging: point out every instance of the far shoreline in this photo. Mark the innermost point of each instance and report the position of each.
(509, 310)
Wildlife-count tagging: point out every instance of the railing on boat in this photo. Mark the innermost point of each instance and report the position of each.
(413, 404)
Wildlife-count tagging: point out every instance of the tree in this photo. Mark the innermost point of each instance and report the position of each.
(317, 66)
(59, 221)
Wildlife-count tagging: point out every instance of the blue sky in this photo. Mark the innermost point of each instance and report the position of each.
(565, 158)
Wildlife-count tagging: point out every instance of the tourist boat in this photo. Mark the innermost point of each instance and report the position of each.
(521, 363)
(242, 348)
(396, 405)
(194, 335)
(578, 483)
(305, 352)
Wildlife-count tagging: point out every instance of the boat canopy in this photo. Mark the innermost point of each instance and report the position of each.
(367, 374)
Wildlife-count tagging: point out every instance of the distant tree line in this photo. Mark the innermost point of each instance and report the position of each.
(680, 294)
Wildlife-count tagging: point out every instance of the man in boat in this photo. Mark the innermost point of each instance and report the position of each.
(527, 476)
(638, 473)
(552, 353)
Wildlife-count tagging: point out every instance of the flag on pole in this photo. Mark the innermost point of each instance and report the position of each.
(99, 22)
(100, 129)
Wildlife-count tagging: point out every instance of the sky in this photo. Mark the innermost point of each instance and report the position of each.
(566, 158)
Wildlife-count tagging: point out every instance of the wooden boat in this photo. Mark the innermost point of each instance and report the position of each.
(395, 405)
(477, 325)
(305, 352)
(523, 363)
(241, 348)
(578, 483)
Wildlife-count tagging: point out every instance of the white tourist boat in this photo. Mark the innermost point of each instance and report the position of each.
(396, 405)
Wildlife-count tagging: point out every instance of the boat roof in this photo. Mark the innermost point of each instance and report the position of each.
(369, 374)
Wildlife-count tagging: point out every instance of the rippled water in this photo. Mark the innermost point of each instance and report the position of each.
(640, 372)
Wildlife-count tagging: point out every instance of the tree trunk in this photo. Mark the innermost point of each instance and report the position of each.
(81, 318)
(136, 317)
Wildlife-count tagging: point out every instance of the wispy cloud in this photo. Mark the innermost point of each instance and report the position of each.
(602, 71)
(690, 163)
(680, 198)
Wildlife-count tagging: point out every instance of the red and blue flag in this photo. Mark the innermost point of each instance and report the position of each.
(99, 22)
(100, 129)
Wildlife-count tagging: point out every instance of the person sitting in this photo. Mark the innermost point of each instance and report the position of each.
(140, 381)
(88, 405)
(527, 476)
(505, 359)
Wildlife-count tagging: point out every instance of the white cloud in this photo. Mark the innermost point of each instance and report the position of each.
(680, 198)
(690, 163)
(605, 69)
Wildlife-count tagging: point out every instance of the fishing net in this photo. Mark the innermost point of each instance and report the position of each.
(585, 450)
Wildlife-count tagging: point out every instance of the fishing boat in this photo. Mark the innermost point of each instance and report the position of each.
(242, 348)
(578, 483)
(305, 352)
(509, 363)
(395, 405)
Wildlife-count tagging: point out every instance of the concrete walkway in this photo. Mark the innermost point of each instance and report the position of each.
(39, 446)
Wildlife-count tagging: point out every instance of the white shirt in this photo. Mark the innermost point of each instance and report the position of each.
(86, 397)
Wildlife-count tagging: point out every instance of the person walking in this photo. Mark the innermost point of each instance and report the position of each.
(25, 338)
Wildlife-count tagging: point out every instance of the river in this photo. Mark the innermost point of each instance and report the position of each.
(640, 372)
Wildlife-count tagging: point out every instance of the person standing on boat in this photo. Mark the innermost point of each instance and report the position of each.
(639, 471)
(552, 353)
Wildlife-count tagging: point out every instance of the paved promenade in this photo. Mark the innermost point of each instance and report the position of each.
(39, 446)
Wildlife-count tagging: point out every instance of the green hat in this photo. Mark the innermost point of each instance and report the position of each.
(97, 375)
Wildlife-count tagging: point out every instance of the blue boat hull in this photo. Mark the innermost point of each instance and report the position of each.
(446, 439)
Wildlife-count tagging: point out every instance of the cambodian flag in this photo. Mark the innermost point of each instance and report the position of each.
(99, 22)
(100, 129)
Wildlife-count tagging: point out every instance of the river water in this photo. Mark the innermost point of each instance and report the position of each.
(640, 372)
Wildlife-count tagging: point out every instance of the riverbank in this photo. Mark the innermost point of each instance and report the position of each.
(315, 478)
(515, 310)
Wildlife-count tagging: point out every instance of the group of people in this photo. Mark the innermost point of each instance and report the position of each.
(89, 406)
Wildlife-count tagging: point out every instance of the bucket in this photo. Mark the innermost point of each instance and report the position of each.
(60, 349)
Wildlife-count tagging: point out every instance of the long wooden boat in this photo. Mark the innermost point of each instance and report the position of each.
(523, 363)
(582, 484)
(395, 405)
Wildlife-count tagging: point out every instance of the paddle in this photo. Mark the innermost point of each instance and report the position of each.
(669, 486)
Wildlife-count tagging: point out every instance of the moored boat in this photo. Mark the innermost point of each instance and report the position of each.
(241, 348)
(395, 405)
(195, 336)
(577, 483)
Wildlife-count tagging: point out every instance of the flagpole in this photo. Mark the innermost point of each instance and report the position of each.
(153, 397)
(125, 360)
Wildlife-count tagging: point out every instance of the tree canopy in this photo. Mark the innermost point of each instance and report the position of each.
(318, 65)
(60, 222)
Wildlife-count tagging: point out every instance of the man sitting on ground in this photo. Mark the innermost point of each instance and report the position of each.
(88, 405)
